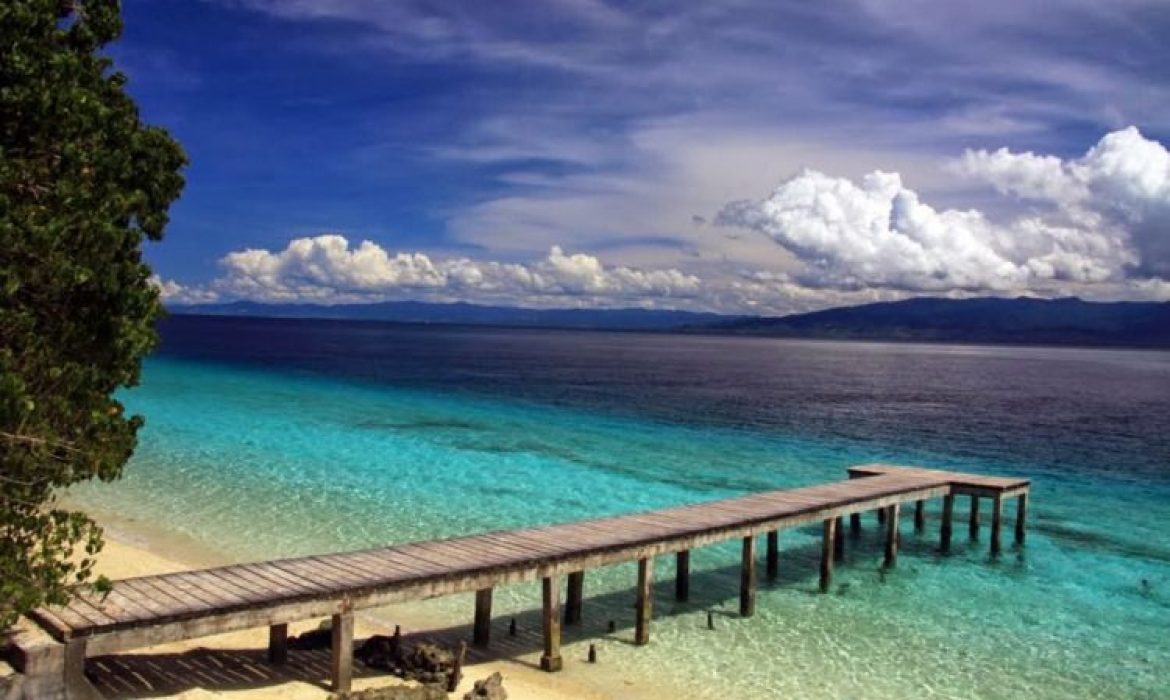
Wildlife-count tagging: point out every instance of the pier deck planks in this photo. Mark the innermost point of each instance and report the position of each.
(199, 603)
(973, 484)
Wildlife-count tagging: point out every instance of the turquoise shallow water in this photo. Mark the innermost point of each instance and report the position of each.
(270, 458)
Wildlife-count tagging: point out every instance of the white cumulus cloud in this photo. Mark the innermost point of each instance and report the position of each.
(309, 267)
(1102, 218)
(878, 233)
(1121, 185)
(171, 291)
(327, 268)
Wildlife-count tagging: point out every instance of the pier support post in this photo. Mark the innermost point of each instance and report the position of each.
(575, 594)
(881, 516)
(830, 533)
(76, 685)
(747, 578)
(645, 601)
(919, 516)
(893, 517)
(996, 523)
(947, 518)
(342, 650)
(550, 619)
(482, 634)
(839, 539)
(773, 555)
(682, 575)
(1021, 516)
(277, 644)
(973, 525)
(855, 518)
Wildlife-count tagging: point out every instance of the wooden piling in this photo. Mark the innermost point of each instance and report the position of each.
(839, 540)
(682, 575)
(73, 673)
(947, 518)
(996, 523)
(773, 555)
(575, 595)
(277, 644)
(893, 518)
(550, 619)
(854, 518)
(1021, 516)
(973, 525)
(645, 601)
(829, 534)
(341, 668)
(482, 634)
(919, 516)
(456, 673)
(747, 579)
(881, 516)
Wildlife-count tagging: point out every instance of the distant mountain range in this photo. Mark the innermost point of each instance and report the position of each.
(1024, 320)
(464, 314)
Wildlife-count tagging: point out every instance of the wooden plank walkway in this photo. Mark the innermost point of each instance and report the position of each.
(156, 609)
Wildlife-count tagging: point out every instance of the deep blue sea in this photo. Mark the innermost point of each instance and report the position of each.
(283, 437)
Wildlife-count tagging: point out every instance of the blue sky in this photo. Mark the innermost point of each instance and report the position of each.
(715, 155)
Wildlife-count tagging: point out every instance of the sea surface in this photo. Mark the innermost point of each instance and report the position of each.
(269, 438)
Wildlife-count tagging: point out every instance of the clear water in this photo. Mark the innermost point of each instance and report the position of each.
(270, 438)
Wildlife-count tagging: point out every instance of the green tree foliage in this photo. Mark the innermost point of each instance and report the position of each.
(82, 182)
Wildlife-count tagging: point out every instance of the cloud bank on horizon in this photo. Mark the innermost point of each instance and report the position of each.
(326, 269)
(1097, 226)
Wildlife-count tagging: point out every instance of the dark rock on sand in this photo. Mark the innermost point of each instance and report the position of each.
(425, 662)
(490, 688)
(320, 638)
(380, 651)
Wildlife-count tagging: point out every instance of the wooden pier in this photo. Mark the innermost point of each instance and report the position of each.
(151, 610)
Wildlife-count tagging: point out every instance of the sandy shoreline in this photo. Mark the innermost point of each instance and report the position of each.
(232, 665)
